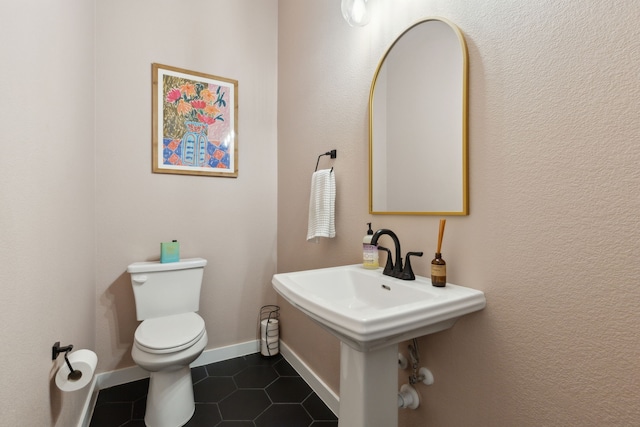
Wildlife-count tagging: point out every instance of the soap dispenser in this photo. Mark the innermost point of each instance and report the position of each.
(369, 251)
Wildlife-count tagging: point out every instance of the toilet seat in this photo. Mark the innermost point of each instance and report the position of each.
(170, 333)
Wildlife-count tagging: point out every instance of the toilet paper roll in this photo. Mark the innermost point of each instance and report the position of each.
(84, 362)
(270, 323)
(269, 328)
(269, 348)
(269, 336)
(270, 340)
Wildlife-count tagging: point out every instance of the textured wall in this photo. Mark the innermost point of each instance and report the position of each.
(46, 204)
(553, 234)
(229, 222)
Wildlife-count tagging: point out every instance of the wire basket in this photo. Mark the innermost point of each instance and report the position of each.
(269, 330)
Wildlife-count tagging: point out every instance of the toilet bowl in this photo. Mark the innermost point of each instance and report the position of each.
(171, 336)
(166, 351)
(165, 346)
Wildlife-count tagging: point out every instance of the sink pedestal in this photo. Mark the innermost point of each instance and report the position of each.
(368, 387)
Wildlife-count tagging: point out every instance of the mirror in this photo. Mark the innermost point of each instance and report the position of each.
(418, 124)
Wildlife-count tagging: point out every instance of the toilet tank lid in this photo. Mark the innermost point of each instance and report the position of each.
(147, 267)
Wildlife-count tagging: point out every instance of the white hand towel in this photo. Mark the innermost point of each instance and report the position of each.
(322, 204)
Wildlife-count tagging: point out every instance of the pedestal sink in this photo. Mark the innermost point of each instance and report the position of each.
(371, 313)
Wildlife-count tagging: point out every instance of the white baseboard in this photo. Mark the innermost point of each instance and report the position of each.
(89, 404)
(323, 391)
(225, 353)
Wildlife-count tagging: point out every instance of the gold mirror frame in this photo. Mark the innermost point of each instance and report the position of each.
(419, 187)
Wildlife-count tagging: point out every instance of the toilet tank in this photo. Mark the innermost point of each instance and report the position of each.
(163, 289)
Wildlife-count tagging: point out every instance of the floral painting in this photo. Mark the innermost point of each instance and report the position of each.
(194, 123)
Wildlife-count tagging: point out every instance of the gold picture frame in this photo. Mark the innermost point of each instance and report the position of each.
(195, 123)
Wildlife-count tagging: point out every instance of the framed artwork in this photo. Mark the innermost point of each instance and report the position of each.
(195, 123)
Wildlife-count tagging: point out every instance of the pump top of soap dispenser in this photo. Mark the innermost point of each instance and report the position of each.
(369, 231)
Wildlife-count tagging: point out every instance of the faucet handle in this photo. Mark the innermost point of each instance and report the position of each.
(388, 267)
(407, 273)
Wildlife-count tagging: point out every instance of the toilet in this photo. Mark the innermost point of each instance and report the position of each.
(170, 337)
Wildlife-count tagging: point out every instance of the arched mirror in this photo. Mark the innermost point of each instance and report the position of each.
(418, 124)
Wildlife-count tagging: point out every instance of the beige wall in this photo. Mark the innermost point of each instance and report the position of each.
(79, 201)
(47, 290)
(229, 222)
(553, 234)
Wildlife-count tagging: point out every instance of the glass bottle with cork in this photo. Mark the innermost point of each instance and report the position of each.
(438, 265)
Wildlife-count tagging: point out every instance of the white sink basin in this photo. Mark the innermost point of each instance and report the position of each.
(371, 313)
(368, 310)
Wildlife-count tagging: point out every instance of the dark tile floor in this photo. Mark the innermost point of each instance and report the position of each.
(249, 391)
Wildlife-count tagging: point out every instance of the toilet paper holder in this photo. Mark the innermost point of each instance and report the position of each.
(269, 330)
(74, 374)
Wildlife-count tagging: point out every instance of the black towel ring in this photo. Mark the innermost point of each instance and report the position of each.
(332, 153)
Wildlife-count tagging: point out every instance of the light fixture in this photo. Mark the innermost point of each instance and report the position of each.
(355, 12)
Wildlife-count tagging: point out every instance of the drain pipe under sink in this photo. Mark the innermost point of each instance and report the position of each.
(408, 396)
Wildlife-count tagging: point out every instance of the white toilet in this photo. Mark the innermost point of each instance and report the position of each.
(170, 337)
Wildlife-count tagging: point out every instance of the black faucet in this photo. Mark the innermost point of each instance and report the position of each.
(390, 269)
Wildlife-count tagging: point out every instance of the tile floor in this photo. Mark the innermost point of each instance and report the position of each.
(249, 391)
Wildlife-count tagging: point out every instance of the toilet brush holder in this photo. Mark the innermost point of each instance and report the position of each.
(269, 330)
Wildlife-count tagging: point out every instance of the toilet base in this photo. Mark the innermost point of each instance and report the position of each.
(170, 400)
